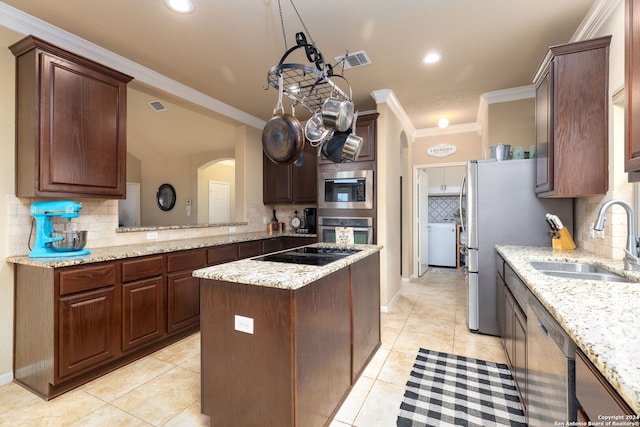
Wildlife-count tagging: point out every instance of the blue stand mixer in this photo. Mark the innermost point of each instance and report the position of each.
(51, 243)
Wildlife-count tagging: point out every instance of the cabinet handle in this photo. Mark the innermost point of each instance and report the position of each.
(543, 329)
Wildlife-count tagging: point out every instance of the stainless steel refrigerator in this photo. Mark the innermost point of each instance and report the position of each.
(501, 208)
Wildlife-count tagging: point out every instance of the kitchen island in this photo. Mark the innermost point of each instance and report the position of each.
(283, 343)
(601, 317)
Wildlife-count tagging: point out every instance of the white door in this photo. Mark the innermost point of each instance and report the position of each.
(218, 202)
(129, 208)
(423, 221)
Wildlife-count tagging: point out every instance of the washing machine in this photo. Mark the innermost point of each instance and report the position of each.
(442, 244)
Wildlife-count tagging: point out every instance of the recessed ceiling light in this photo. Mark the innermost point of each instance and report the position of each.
(180, 6)
(432, 58)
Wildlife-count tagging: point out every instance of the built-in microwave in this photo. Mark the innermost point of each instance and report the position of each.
(346, 189)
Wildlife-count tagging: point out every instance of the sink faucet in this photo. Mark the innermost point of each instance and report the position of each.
(631, 260)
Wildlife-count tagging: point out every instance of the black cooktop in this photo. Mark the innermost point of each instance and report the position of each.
(315, 255)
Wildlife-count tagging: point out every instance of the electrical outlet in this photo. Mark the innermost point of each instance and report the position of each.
(152, 235)
(592, 232)
(244, 324)
(265, 220)
(232, 229)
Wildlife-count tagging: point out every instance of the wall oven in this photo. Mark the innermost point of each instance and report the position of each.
(362, 228)
(345, 189)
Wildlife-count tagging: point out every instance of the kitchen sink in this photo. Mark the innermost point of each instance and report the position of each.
(577, 270)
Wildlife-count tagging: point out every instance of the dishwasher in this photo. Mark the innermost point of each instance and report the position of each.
(551, 369)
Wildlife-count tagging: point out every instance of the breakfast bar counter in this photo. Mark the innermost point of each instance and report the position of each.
(283, 343)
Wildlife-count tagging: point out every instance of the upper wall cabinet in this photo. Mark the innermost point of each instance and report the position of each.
(71, 124)
(446, 180)
(572, 120)
(290, 183)
(632, 90)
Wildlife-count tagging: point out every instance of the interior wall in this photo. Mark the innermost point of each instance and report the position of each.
(7, 213)
(512, 123)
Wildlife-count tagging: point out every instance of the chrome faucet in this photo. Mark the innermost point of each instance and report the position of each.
(631, 260)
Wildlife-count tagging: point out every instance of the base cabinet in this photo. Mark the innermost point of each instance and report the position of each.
(299, 362)
(73, 324)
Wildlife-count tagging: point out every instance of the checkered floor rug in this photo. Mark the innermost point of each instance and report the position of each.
(448, 390)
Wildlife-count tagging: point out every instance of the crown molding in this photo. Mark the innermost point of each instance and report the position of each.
(599, 12)
(386, 96)
(508, 95)
(26, 24)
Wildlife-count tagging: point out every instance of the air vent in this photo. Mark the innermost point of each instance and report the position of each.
(355, 59)
(157, 105)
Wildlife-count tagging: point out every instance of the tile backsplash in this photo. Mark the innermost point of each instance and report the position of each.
(443, 208)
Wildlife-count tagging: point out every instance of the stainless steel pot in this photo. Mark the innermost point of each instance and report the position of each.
(282, 136)
(315, 130)
(337, 114)
(71, 240)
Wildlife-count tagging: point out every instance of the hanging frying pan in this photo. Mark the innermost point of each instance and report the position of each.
(282, 136)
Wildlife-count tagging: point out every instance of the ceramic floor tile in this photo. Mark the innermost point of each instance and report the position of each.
(382, 405)
(62, 410)
(191, 417)
(109, 415)
(352, 404)
(162, 398)
(397, 367)
(164, 388)
(120, 382)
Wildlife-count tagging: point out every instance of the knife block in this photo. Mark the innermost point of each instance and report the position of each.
(564, 240)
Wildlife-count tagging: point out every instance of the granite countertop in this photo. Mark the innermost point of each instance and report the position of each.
(111, 253)
(280, 275)
(603, 318)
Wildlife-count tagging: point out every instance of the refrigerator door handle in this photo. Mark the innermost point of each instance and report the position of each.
(460, 207)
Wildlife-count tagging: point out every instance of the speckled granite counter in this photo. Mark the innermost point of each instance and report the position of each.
(280, 275)
(111, 253)
(603, 318)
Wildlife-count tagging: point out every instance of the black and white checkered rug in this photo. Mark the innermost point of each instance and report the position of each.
(448, 390)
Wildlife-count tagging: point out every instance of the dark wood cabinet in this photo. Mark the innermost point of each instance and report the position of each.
(512, 322)
(632, 88)
(290, 183)
(183, 290)
(71, 124)
(88, 330)
(366, 127)
(73, 324)
(572, 120)
(595, 395)
(142, 301)
(298, 364)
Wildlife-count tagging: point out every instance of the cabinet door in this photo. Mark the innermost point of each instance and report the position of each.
(249, 249)
(71, 124)
(544, 140)
(520, 353)
(183, 301)
(452, 178)
(435, 176)
(142, 312)
(366, 127)
(305, 177)
(276, 182)
(88, 330)
(632, 88)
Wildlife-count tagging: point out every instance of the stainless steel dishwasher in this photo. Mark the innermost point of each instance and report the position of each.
(551, 368)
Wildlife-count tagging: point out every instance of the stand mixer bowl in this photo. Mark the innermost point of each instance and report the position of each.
(72, 240)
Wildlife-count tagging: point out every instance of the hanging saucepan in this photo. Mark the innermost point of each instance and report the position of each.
(343, 145)
(338, 113)
(315, 131)
(282, 136)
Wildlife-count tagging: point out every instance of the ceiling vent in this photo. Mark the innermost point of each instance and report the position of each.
(157, 105)
(355, 59)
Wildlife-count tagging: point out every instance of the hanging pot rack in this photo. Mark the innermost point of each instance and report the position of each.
(304, 84)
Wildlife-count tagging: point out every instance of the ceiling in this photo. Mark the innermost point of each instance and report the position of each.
(224, 49)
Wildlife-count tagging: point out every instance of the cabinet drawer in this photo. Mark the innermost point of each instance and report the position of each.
(186, 260)
(87, 278)
(222, 254)
(595, 394)
(249, 249)
(141, 268)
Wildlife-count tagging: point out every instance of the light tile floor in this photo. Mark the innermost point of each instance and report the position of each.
(163, 389)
